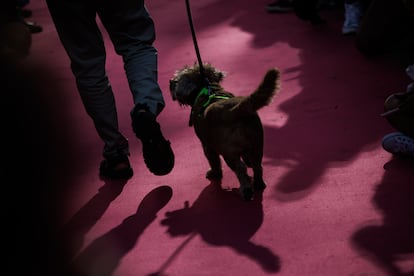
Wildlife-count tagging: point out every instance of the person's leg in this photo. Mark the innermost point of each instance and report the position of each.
(78, 31)
(352, 17)
(132, 32)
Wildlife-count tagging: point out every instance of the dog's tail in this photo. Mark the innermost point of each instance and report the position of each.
(263, 95)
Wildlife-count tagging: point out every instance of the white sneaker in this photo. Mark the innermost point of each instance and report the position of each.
(410, 88)
(398, 144)
(410, 71)
(353, 13)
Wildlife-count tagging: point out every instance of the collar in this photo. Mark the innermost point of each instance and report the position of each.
(203, 92)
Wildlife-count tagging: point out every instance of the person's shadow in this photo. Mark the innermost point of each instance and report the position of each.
(103, 255)
(81, 222)
(222, 218)
(391, 244)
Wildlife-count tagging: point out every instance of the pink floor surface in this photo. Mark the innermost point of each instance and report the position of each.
(336, 203)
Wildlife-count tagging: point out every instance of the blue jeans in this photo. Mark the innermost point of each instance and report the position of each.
(131, 30)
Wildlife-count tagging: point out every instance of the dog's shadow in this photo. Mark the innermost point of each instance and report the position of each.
(222, 218)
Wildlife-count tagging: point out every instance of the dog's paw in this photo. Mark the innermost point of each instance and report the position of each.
(214, 174)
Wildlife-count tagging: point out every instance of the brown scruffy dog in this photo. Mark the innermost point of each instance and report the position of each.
(227, 125)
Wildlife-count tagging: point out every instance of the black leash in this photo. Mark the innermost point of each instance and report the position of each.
(200, 62)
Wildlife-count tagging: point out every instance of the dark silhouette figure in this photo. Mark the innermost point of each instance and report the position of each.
(104, 254)
(79, 225)
(391, 244)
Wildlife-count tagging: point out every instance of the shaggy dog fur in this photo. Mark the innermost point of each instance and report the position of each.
(227, 125)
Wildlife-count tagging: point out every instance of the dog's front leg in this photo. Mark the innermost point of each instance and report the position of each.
(215, 172)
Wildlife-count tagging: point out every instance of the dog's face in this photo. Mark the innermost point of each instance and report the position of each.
(188, 82)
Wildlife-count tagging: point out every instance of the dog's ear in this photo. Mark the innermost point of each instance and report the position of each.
(218, 76)
(213, 74)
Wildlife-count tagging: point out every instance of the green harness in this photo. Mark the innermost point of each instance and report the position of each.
(211, 96)
(206, 92)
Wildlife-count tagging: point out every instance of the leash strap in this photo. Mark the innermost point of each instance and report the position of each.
(193, 34)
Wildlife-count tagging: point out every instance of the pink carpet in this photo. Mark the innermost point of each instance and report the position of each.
(336, 203)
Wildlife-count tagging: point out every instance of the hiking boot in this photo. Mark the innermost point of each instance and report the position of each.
(280, 6)
(398, 144)
(353, 13)
(117, 167)
(157, 152)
